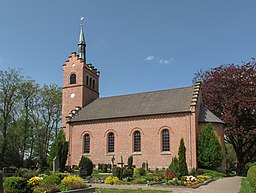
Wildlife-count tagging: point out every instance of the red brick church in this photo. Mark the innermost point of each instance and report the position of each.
(147, 125)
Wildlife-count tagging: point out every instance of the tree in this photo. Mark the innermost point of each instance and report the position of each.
(229, 91)
(209, 149)
(86, 165)
(183, 169)
(59, 149)
(174, 166)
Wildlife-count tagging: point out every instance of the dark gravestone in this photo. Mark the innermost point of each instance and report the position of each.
(1, 182)
(9, 171)
(82, 172)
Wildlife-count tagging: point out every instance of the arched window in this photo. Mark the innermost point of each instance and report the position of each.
(111, 142)
(93, 84)
(136, 141)
(72, 79)
(87, 80)
(90, 82)
(86, 143)
(165, 140)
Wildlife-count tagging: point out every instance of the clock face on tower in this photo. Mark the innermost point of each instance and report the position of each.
(72, 95)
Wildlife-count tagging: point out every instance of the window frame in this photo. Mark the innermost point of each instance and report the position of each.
(110, 142)
(165, 140)
(72, 78)
(136, 141)
(86, 144)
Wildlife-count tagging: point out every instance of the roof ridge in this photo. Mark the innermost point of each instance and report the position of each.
(144, 92)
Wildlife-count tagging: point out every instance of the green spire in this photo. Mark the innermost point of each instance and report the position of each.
(81, 44)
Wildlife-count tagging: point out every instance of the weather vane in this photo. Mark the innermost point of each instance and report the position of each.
(81, 19)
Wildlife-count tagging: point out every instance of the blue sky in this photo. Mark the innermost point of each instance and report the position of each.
(138, 45)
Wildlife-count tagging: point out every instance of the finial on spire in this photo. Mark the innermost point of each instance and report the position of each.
(81, 19)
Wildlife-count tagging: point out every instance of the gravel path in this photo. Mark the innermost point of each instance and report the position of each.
(224, 185)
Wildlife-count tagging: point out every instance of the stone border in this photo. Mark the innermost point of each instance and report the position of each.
(203, 183)
(86, 190)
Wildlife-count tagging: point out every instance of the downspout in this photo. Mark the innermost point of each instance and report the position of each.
(190, 141)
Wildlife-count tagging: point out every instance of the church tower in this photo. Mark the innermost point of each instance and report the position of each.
(80, 81)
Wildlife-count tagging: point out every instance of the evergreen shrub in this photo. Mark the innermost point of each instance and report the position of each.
(118, 172)
(183, 169)
(142, 171)
(251, 176)
(174, 166)
(86, 164)
(51, 180)
(16, 185)
(209, 150)
(130, 162)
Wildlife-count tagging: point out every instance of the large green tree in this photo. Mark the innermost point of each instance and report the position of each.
(229, 91)
(209, 152)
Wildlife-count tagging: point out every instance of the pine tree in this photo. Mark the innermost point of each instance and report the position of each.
(210, 154)
(174, 166)
(183, 169)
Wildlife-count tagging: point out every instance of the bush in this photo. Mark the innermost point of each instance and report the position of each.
(16, 185)
(169, 175)
(127, 172)
(118, 172)
(136, 172)
(48, 189)
(130, 162)
(183, 169)
(251, 176)
(26, 173)
(72, 182)
(35, 181)
(199, 171)
(87, 165)
(174, 166)
(209, 150)
(111, 180)
(142, 171)
(51, 180)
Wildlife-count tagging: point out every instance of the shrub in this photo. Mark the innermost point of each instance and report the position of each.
(16, 185)
(199, 171)
(192, 172)
(169, 175)
(142, 171)
(72, 182)
(183, 169)
(118, 172)
(251, 176)
(26, 173)
(87, 165)
(111, 180)
(174, 166)
(209, 149)
(51, 180)
(130, 162)
(127, 172)
(35, 181)
(48, 189)
(136, 172)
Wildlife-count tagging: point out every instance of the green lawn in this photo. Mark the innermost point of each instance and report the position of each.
(129, 191)
(245, 187)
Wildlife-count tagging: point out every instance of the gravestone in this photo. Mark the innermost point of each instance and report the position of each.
(121, 162)
(82, 173)
(9, 171)
(112, 162)
(55, 164)
(1, 182)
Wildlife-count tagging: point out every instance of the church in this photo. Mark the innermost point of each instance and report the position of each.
(147, 126)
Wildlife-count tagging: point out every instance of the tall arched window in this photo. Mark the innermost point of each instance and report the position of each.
(136, 141)
(90, 82)
(86, 143)
(87, 80)
(93, 84)
(111, 142)
(165, 140)
(72, 79)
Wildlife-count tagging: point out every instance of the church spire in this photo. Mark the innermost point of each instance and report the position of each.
(81, 43)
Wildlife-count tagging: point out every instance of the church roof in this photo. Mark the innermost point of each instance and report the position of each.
(206, 116)
(140, 104)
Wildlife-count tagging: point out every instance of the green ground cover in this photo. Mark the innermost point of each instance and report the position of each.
(99, 190)
(245, 187)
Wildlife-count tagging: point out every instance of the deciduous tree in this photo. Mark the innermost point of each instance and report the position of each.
(229, 91)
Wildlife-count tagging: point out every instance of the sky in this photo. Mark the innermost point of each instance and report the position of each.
(137, 45)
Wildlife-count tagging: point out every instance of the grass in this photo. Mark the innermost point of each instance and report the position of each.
(246, 187)
(110, 190)
(213, 173)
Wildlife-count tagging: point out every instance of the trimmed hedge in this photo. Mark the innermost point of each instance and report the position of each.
(251, 176)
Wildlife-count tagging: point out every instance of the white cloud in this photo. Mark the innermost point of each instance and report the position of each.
(150, 58)
(159, 60)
